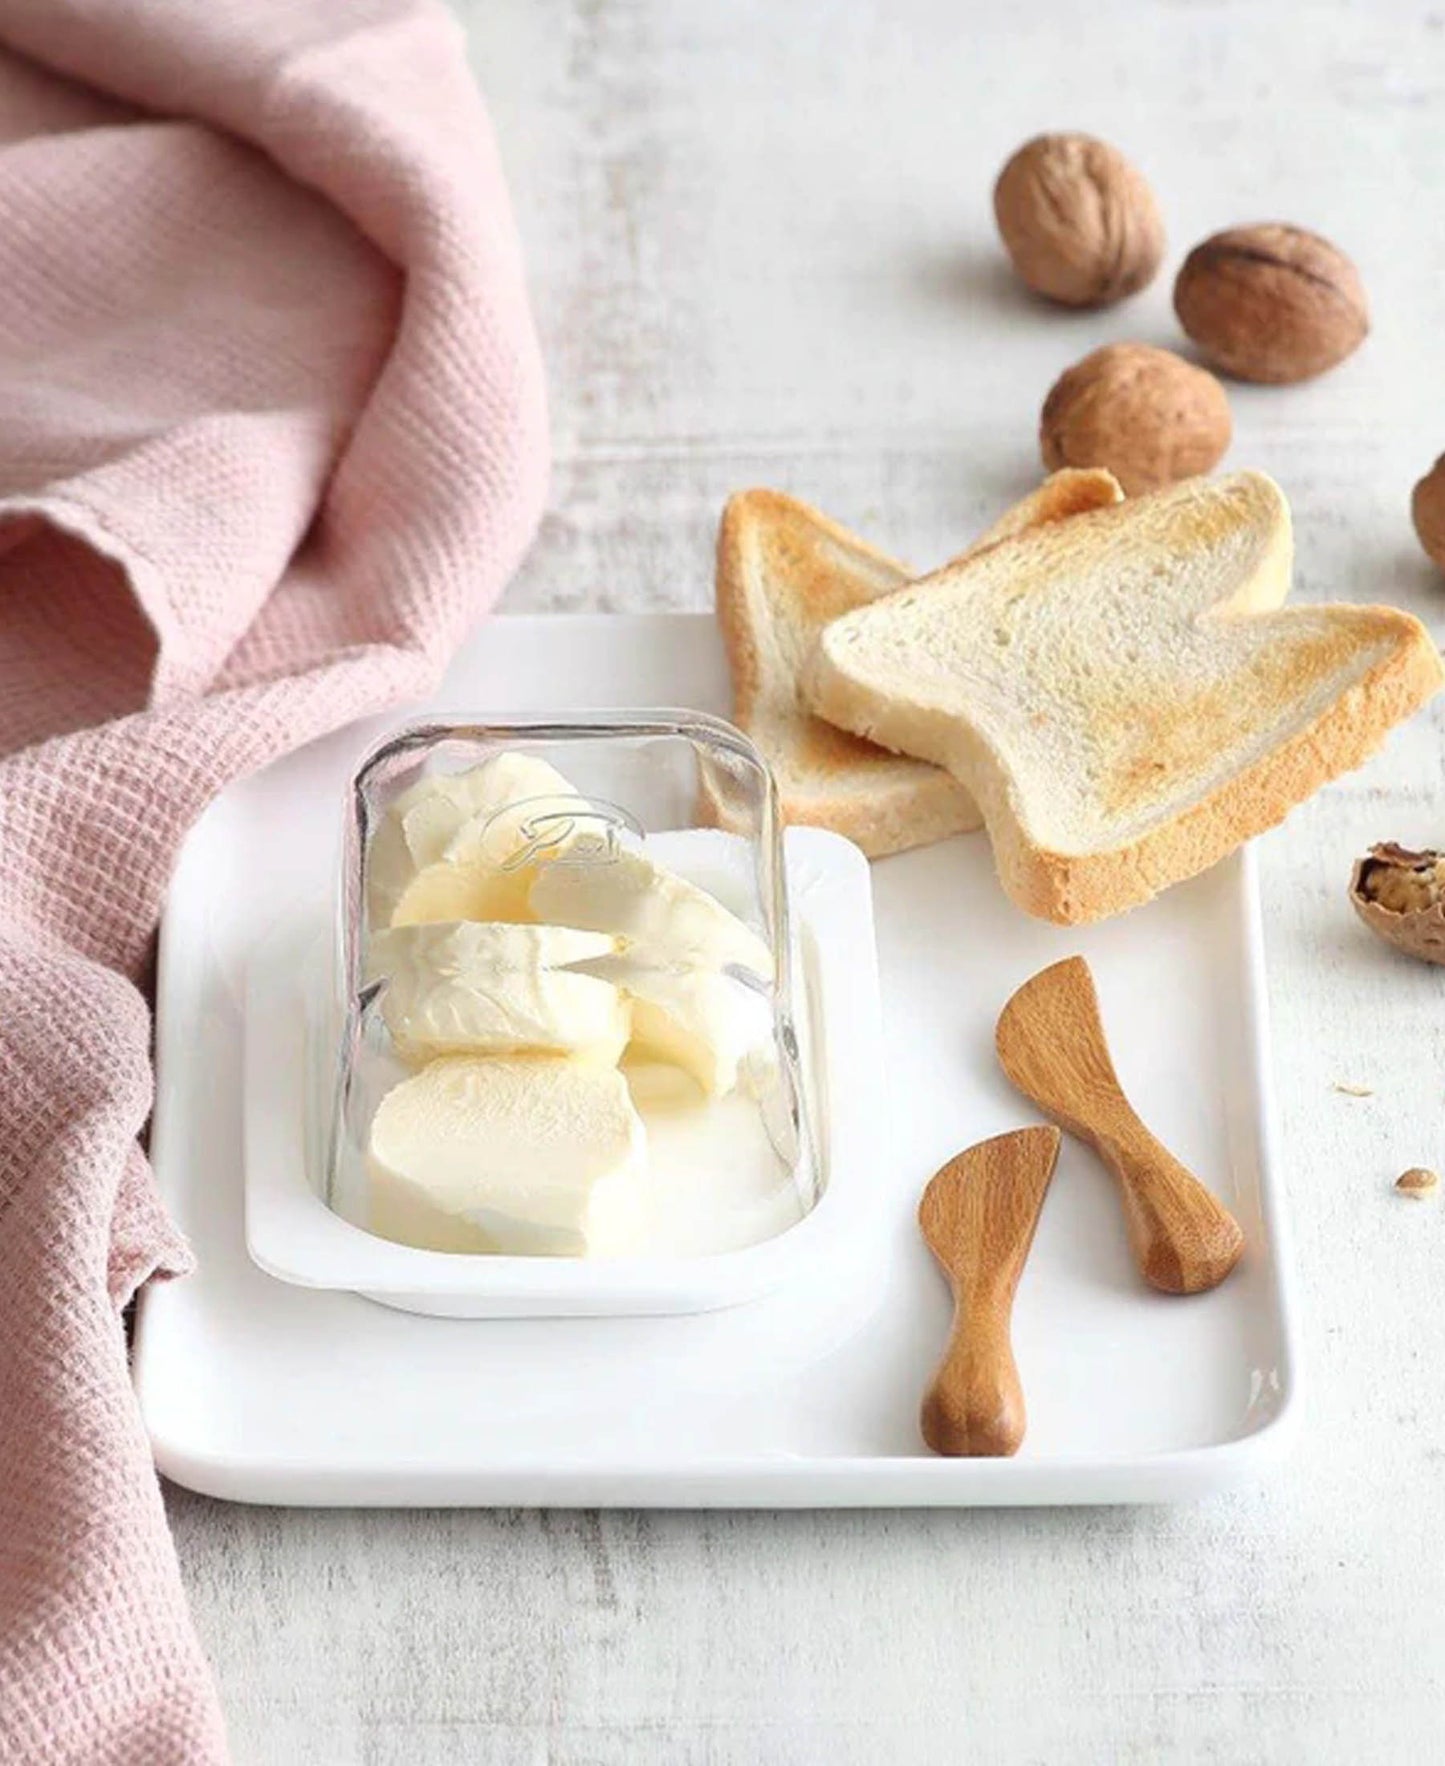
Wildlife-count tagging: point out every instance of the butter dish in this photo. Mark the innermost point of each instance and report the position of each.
(727, 1181)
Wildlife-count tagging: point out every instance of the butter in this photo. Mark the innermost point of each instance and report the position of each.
(700, 1020)
(497, 989)
(439, 849)
(538, 1156)
(663, 920)
(474, 890)
(521, 956)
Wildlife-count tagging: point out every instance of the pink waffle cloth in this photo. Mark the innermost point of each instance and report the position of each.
(272, 439)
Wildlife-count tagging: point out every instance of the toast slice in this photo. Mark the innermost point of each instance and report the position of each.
(1123, 694)
(783, 571)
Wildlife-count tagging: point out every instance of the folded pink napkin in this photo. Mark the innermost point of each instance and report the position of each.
(272, 438)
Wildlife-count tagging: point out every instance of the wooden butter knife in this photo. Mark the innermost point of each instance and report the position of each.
(1051, 1043)
(978, 1216)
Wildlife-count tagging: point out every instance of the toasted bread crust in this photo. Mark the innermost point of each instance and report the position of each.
(890, 822)
(759, 516)
(1074, 490)
(826, 777)
(1077, 887)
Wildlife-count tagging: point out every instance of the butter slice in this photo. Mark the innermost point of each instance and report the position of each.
(663, 920)
(533, 1156)
(438, 851)
(497, 989)
(698, 1019)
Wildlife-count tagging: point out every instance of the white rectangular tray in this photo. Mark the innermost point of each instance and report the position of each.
(258, 1391)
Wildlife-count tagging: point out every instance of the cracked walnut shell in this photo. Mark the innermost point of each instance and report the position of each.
(1400, 895)
(1146, 414)
(1271, 303)
(1079, 223)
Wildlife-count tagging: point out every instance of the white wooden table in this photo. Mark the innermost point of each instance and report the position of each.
(761, 251)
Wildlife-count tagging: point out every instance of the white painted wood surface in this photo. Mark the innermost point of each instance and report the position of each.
(761, 251)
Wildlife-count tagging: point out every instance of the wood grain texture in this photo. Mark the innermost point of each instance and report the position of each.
(978, 1216)
(1051, 1044)
(762, 252)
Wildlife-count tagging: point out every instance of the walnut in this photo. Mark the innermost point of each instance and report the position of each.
(1427, 510)
(1418, 1182)
(1144, 413)
(1079, 223)
(1400, 895)
(1271, 303)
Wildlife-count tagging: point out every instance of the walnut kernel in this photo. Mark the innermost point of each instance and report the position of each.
(1400, 895)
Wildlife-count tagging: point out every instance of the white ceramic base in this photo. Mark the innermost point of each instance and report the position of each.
(259, 1391)
(293, 1235)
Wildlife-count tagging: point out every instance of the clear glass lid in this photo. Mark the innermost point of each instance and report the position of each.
(567, 996)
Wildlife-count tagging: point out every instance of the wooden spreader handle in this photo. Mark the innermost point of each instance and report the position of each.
(1051, 1044)
(978, 1216)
